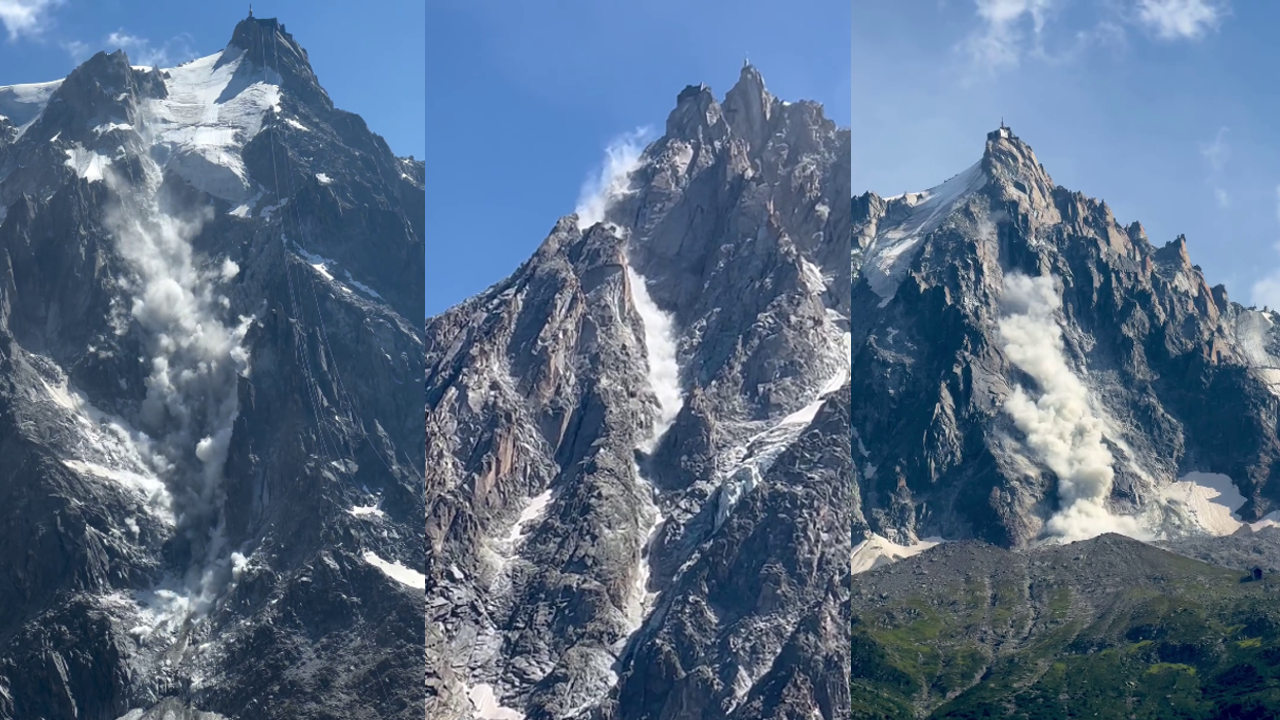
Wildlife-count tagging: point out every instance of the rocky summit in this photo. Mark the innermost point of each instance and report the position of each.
(211, 498)
(638, 448)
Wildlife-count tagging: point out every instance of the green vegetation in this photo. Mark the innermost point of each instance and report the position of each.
(1180, 641)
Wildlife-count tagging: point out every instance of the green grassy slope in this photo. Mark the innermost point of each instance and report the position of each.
(1108, 628)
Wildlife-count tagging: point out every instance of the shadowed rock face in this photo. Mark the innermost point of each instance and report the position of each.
(325, 247)
(1178, 377)
(578, 565)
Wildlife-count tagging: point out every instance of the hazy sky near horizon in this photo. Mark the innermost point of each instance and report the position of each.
(370, 61)
(525, 98)
(1162, 108)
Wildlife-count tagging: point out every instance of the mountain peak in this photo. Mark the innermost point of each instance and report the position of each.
(267, 44)
(696, 115)
(1007, 151)
(1012, 165)
(748, 106)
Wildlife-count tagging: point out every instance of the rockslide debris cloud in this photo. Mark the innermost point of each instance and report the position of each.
(1059, 426)
(192, 399)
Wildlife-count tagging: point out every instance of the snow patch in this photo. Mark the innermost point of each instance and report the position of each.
(812, 276)
(533, 512)
(88, 164)
(208, 116)
(322, 266)
(245, 210)
(806, 414)
(367, 510)
(104, 129)
(324, 179)
(487, 707)
(362, 287)
(148, 485)
(896, 243)
(268, 210)
(394, 570)
(877, 550)
(1211, 501)
(743, 466)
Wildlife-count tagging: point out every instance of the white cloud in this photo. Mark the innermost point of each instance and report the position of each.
(25, 17)
(1216, 154)
(142, 52)
(1180, 19)
(1010, 30)
(77, 50)
(999, 41)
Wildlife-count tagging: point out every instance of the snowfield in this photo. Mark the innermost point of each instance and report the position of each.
(208, 118)
(896, 242)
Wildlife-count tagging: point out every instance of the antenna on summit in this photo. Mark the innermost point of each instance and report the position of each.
(1001, 122)
(250, 9)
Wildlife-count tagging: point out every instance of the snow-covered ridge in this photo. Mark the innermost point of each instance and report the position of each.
(198, 131)
(22, 104)
(898, 237)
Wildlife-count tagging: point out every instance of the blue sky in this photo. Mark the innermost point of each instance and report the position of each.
(526, 96)
(369, 58)
(1164, 108)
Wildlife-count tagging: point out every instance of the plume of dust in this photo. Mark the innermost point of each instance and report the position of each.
(613, 180)
(660, 348)
(196, 360)
(1060, 426)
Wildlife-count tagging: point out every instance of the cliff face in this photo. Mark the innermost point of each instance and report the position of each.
(637, 444)
(1026, 369)
(209, 441)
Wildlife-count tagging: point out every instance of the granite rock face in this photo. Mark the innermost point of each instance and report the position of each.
(210, 383)
(638, 456)
(1027, 368)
